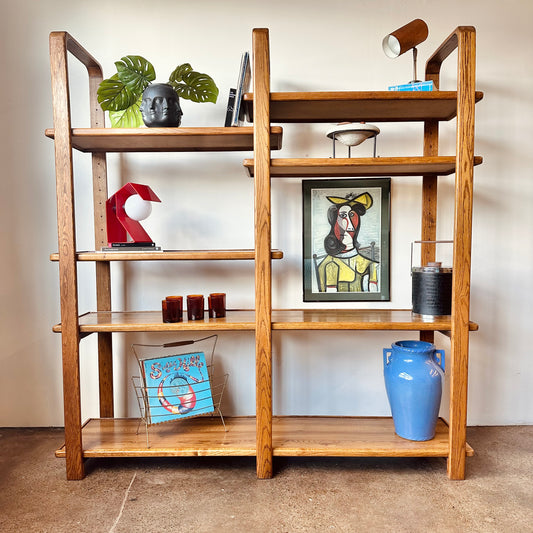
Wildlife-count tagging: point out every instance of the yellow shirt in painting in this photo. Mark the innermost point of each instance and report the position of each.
(346, 274)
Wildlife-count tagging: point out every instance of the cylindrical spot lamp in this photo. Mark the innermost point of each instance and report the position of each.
(406, 38)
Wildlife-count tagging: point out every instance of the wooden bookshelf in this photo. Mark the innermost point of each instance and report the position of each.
(378, 106)
(264, 435)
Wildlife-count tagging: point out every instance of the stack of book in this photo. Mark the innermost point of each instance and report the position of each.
(235, 115)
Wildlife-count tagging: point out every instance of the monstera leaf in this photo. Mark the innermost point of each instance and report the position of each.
(127, 118)
(179, 72)
(193, 85)
(123, 89)
(114, 95)
(136, 73)
(121, 94)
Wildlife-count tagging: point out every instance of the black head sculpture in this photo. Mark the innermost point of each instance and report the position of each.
(160, 106)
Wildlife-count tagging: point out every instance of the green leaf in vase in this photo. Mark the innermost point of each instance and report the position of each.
(136, 73)
(193, 85)
(113, 95)
(127, 118)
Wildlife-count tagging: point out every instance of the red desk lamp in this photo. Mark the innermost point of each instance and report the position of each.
(124, 209)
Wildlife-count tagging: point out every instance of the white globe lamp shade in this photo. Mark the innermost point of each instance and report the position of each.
(137, 208)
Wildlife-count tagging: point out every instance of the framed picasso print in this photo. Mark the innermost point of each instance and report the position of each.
(346, 240)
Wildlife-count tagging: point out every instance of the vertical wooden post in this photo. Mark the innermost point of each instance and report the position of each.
(60, 44)
(429, 206)
(464, 40)
(68, 283)
(429, 196)
(263, 274)
(462, 249)
(103, 269)
(103, 303)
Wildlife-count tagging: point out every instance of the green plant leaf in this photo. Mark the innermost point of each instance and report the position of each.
(113, 95)
(136, 73)
(179, 72)
(130, 117)
(193, 85)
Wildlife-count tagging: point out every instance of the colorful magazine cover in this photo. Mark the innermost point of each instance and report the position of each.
(177, 386)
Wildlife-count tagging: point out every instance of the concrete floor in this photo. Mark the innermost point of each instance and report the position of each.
(307, 494)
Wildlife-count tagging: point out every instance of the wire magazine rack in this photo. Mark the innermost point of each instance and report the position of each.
(177, 381)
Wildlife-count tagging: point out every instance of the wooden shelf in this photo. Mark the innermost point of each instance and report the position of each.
(358, 319)
(169, 255)
(127, 321)
(354, 167)
(358, 106)
(119, 437)
(167, 139)
(292, 436)
(287, 319)
(352, 437)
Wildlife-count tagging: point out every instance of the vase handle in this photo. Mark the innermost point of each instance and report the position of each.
(386, 353)
(438, 355)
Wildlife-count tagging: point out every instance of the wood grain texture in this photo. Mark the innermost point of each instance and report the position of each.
(67, 250)
(466, 59)
(282, 319)
(352, 437)
(360, 106)
(201, 436)
(428, 231)
(263, 268)
(462, 39)
(102, 269)
(105, 374)
(354, 167)
(168, 139)
(136, 321)
(170, 255)
(61, 43)
(292, 436)
(429, 193)
(357, 319)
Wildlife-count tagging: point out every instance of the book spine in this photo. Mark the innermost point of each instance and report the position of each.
(231, 106)
(242, 82)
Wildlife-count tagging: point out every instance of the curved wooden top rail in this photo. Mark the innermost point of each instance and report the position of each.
(454, 41)
(62, 42)
(66, 41)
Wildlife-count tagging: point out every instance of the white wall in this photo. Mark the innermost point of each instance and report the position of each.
(332, 45)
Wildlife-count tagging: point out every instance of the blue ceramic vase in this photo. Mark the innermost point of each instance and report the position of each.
(413, 372)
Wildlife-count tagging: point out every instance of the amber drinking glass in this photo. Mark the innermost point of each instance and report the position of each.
(195, 306)
(172, 307)
(217, 304)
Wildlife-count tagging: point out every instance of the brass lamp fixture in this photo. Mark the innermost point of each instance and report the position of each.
(406, 38)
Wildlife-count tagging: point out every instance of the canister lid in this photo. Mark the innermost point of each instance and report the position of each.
(432, 266)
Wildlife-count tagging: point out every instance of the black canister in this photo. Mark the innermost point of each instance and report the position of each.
(432, 290)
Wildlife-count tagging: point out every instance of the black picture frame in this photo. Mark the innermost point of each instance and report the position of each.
(333, 269)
